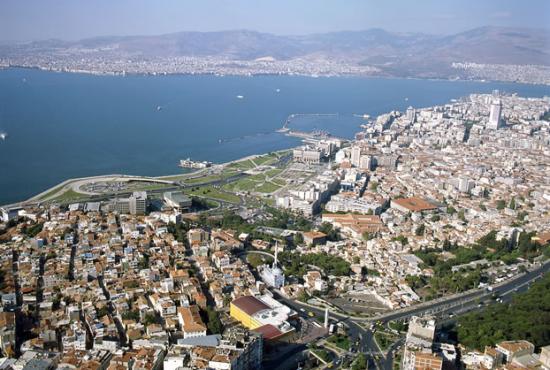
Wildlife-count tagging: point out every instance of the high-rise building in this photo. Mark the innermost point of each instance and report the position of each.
(137, 203)
(411, 114)
(495, 121)
(355, 156)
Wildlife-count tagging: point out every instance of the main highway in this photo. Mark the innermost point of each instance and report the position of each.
(359, 327)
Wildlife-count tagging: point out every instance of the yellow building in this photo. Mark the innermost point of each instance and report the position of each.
(265, 316)
(243, 309)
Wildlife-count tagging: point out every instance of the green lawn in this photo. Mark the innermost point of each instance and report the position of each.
(384, 340)
(267, 187)
(151, 187)
(69, 195)
(274, 172)
(279, 182)
(203, 179)
(211, 192)
(245, 184)
(242, 165)
(266, 159)
(51, 192)
(340, 341)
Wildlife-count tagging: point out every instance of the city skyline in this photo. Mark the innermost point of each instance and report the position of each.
(72, 20)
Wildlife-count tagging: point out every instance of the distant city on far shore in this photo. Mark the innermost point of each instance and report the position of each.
(274, 185)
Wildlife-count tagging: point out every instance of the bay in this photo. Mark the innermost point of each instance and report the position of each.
(63, 125)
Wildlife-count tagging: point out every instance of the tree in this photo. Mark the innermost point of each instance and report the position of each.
(255, 260)
(366, 236)
(512, 204)
(298, 238)
(420, 230)
(360, 362)
(328, 229)
(102, 311)
(214, 325)
(526, 317)
(402, 239)
(462, 216)
(501, 204)
(33, 230)
(374, 186)
(149, 319)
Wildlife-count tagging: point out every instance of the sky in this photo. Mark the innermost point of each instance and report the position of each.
(26, 20)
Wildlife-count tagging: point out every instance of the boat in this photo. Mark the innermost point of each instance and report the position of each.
(240, 97)
(159, 107)
(3, 135)
(277, 90)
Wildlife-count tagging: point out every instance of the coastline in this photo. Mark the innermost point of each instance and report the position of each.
(64, 185)
(252, 74)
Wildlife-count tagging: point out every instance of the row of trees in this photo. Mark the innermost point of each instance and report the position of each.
(526, 317)
(488, 247)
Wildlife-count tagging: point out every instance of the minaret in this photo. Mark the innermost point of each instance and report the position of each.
(276, 252)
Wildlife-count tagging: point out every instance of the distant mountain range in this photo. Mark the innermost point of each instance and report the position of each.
(398, 54)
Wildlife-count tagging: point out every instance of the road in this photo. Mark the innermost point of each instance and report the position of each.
(446, 305)
(457, 304)
(357, 333)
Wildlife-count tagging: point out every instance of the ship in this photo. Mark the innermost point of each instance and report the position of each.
(240, 96)
(188, 163)
(3, 136)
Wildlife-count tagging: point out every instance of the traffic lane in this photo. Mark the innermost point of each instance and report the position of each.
(504, 287)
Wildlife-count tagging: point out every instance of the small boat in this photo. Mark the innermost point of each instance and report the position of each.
(3, 135)
(159, 107)
(240, 97)
(277, 90)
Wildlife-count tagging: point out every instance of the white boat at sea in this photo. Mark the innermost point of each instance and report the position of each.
(3, 135)
(240, 96)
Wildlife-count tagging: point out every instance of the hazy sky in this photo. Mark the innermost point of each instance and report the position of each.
(22, 20)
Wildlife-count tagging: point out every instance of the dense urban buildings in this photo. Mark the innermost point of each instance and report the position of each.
(428, 213)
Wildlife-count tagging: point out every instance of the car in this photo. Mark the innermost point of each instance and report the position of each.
(311, 314)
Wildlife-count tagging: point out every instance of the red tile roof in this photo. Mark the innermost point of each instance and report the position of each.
(268, 331)
(250, 305)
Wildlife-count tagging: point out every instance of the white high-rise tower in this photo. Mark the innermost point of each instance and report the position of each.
(495, 121)
(355, 155)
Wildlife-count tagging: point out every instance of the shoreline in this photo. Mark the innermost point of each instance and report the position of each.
(251, 74)
(62, 186)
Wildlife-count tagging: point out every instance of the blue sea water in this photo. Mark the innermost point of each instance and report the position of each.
(63, 125)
